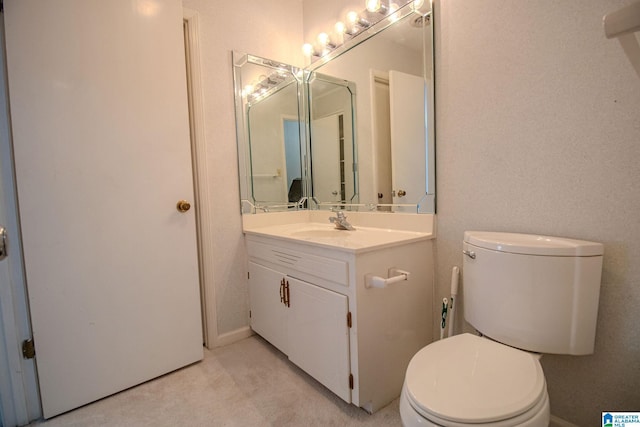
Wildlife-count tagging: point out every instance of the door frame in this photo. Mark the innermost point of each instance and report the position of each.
(20, 402)
(203, 203)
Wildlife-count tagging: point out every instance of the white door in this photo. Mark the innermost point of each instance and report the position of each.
(100, 126)
(325, 152)
(408, 137)
(318, 335)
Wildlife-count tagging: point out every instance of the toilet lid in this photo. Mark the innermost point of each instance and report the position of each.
(468, 379)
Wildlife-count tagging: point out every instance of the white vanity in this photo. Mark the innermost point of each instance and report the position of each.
(309, 297)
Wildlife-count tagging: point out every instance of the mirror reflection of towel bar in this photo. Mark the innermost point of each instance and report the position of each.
(395, 276)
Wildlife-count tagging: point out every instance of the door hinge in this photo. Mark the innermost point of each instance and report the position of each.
(351, 381)
(249, 314)
(28, 349)
(3, 242)
(248, 275)
(349, 319)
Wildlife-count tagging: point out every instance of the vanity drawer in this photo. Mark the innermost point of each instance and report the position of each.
(334, 270)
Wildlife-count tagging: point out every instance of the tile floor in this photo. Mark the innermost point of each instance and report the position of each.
(248, 383)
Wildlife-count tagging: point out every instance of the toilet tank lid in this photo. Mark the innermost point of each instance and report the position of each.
(531, 244)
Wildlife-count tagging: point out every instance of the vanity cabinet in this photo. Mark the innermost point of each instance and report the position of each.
(310, 301)
(303, 321)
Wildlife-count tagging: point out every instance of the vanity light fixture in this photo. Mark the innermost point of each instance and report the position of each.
(263, 85)
(354, 24)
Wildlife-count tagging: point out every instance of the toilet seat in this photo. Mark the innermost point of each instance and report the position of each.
(466, 379)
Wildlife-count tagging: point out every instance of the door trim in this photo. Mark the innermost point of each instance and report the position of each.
(20, 402)
(204, 214)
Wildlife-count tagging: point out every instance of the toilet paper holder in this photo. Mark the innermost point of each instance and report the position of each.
(395, 275)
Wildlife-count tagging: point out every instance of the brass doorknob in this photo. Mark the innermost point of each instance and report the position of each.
(402, 193)
(183, 206)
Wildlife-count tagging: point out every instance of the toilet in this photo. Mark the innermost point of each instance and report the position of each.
(525, 295)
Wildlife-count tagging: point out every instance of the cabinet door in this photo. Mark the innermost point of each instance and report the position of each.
(268, 314)
(319, 336)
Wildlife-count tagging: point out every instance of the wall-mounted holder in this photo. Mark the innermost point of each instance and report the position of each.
(622, 24)
(395, 276)
(623, 21)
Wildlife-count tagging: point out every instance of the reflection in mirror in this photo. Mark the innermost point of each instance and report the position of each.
(269, 129)
(333, 174)
(393, 73)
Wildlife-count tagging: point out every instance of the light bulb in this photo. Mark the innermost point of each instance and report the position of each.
(393, 8)
(352, 17)
(373, 5)
(355, 21)
(307, 49)
(417, 4)
(247, 90)
(338, 33)
(323, 39)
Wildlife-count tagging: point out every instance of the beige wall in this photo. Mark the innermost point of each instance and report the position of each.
(538, 131)
(268, 28)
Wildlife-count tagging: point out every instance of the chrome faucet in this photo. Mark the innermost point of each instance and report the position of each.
(340, 221)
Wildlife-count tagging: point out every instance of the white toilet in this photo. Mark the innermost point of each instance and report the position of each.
(526, 295)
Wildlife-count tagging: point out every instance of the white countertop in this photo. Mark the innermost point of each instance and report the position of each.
(361, 239)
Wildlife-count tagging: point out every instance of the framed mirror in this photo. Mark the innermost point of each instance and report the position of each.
(270, 131)
(354, 130)
(391, 71)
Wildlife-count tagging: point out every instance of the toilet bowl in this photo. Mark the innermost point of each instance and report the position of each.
(471, 381)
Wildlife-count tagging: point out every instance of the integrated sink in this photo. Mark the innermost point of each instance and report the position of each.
(315, 233)
(360, 239)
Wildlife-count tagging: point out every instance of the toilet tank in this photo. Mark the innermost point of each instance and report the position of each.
(536, 293)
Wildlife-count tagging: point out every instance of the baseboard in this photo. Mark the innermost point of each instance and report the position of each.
(559, 422)
(233, 336)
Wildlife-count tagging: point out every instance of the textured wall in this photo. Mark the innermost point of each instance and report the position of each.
(268, 28)
(538, 131)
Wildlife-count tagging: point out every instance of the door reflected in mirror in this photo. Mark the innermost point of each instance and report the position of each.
(333, 157)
